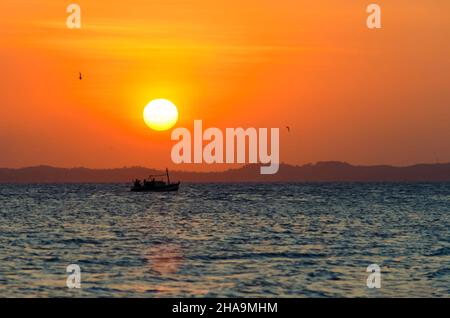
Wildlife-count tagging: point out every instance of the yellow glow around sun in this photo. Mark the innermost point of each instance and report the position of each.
(160, 114)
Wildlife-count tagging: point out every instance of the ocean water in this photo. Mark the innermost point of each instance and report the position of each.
(235, 240)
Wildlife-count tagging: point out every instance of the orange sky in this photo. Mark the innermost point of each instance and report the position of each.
(349, 93)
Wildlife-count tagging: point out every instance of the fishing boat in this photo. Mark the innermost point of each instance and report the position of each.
(153, 185)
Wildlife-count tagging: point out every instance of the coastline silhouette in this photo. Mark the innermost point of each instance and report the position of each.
(319, 172)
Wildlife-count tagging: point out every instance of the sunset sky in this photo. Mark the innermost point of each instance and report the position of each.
(348, 93)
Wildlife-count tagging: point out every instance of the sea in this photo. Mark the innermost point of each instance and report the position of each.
(226, 240)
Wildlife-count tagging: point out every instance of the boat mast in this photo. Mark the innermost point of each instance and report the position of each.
(167, 172)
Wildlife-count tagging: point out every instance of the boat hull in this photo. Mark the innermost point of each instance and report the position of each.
(166, 188)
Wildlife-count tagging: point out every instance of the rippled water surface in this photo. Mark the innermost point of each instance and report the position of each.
(247, 240)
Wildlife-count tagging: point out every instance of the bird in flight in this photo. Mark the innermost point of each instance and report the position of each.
(288, 128)
(81, 77)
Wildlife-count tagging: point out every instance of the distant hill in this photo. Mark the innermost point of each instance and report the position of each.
(319, 172)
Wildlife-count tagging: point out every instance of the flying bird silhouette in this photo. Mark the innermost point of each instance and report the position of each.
(288, 128)
(81, 77)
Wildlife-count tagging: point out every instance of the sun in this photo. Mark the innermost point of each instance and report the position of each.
(160, 114)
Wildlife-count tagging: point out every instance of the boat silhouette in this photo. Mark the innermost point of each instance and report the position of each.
(153, 185)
